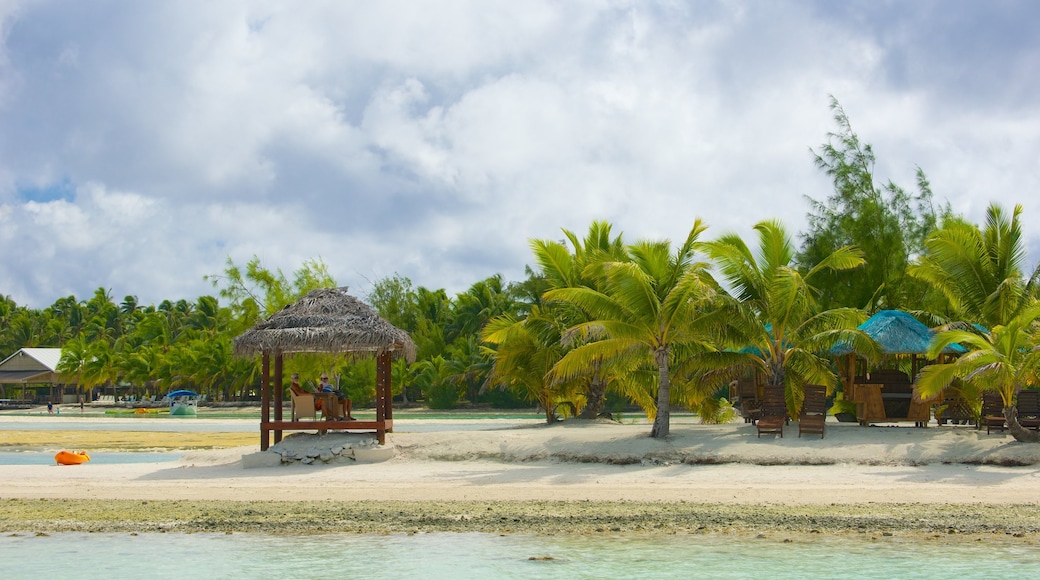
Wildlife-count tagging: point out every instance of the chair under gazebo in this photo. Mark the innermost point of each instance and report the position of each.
(327, 320)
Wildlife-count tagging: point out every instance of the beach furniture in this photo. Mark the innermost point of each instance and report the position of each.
(303, 406)
(887, 396)
(1029, 409)
(814, 411)
(954, 409)
(747, 399)
(774, 412)
(992, 415)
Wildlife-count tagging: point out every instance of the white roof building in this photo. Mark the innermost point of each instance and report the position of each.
(31, 365)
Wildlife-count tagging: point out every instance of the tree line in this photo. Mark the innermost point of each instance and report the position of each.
(600, 321)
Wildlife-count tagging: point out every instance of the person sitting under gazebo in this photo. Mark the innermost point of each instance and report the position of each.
(344, 408)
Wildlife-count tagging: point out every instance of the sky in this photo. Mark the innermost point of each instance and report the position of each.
(144, 144)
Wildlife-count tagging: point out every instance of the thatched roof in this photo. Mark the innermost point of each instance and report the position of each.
(896, 332)
(326, 320)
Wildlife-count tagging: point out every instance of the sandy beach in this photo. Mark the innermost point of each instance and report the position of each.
(574, 476)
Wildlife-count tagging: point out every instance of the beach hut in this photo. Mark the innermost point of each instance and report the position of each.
(886, 394)
(29, 366)
(331, 321)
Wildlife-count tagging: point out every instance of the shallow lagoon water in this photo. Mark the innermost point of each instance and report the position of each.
(216, 423)
(97, 458)
(447, 555)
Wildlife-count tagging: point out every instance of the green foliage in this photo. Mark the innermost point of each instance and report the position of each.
(980, 272)
(259, 292)
(1004, 359)
(524, 351)
(395, 300)
(576, 267)
(651, 307)
(774, 323)
(358, 381)
(887, 224)
(715, 411)
(434, 378)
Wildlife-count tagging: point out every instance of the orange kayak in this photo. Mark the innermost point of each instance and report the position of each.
(71, 457)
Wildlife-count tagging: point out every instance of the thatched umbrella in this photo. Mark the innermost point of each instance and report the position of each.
(325, 320)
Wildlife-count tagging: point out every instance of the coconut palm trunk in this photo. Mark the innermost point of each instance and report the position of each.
(596, 395)
(662, 421)
(1016, 429)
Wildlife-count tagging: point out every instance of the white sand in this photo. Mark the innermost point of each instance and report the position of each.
(572, 461)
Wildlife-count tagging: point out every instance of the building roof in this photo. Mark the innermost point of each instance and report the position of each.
(31, 365)
(896, 332)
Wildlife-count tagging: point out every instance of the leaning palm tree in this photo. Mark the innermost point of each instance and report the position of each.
(1003, 359)
(651, 308)
(775, 325)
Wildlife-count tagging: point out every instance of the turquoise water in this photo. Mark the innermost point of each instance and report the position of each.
(98, 457)
(446, 555)
(239, 425)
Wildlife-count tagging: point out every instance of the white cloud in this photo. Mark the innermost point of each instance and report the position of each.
(434, 139)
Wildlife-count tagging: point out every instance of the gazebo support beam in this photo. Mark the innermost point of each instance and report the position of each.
(265, 401)
(278, 394)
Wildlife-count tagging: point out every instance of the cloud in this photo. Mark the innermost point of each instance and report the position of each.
(435, 139)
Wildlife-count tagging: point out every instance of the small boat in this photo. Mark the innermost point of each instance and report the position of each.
(71, 457)
(183, 403)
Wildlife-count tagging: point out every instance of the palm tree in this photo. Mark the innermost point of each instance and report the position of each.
(654, 308)
(980, 272)
(774, 326)
(563, 268)
(524, 353)
(74, 356)
(1003, 360)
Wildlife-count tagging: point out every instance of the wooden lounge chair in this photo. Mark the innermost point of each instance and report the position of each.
(774, 412)
(954, 409)
(813, 419)
(303, 406)
(747, 397)
(1029, 409)
(992, 415)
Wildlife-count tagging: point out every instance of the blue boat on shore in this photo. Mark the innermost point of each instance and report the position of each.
(183, 403)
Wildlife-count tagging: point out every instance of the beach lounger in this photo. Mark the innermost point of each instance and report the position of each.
(774, 412)
(814, 411)
(747, 397)
(1029, 409)
(992, 415)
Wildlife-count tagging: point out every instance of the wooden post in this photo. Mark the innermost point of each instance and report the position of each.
(380, 389)
(278, 394)
(265, 401)
(385, 363)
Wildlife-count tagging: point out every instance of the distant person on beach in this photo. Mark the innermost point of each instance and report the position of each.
(326, 387)
(50, 407)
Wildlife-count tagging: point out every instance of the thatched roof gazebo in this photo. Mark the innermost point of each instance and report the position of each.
(898, 334)
(325, 320)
